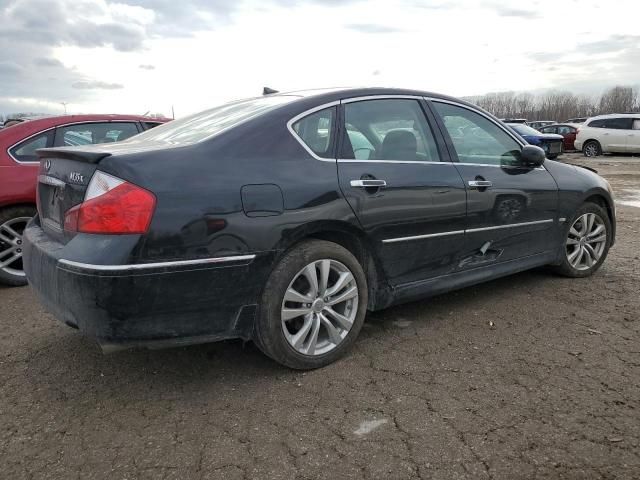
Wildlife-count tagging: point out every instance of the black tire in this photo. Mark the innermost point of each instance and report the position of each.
(591, 149)
(552, 156)
(269, 335)
(564, 267)
(13, 275)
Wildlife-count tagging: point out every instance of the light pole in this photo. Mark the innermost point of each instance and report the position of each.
(64, 104)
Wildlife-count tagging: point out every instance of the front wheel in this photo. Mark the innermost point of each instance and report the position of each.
(13, 221)
(313, 306)
(592, 149)
(587, 242)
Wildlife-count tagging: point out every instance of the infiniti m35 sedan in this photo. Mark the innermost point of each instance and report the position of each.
(285, 218)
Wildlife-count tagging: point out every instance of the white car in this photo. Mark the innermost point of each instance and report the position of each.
(617, 133)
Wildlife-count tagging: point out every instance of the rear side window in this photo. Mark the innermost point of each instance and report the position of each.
(548, 129)
(618, 123)
(387, 129)
(94, 133)
(26, 151)
(566, 130)
(316, 131)
(596, 124)
(636, 124)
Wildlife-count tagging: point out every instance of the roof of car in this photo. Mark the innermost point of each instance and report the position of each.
(332, 94)
(616, 115)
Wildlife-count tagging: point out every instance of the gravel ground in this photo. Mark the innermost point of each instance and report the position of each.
(531, 376)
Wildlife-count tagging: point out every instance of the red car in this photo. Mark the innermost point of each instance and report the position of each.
(567, 130)
(19, 170)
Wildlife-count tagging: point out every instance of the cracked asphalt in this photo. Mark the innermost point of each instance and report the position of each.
(531, 376)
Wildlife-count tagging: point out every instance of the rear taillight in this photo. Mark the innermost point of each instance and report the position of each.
(111, 206)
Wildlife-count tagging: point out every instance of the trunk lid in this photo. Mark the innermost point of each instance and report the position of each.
(63, 179)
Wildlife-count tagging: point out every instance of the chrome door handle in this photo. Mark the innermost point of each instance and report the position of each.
(370, 183)
(480, 183)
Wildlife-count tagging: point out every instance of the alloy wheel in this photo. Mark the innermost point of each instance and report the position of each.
(586, 241)
(319, 307)
(11, 245)
(591, 150)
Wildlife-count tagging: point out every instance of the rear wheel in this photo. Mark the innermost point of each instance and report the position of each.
(587, 242)
(13, 221)
(313, 306)
(592, 149)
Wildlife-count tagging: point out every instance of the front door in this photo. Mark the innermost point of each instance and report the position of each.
(511, 209)
(408, 198)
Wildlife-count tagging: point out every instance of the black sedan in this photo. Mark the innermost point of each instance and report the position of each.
(285, 218)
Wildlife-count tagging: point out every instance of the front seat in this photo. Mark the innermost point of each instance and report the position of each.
(399, 145)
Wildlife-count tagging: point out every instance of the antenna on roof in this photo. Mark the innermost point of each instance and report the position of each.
(268, 91)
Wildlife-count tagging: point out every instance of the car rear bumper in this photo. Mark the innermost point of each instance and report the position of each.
(150, 305)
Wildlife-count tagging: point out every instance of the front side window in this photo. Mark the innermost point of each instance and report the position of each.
(26, 150)
(94, 133)
(317, 131)
(477, 139)
(389, 129)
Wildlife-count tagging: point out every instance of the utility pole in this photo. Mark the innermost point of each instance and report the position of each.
(64, 104)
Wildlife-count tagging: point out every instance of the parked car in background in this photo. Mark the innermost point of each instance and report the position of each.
(514, 120)
(568, 132)
(577, 120)
(540, 123)
(616, 133)
(260, 220)
(19, 170)
(549, 142)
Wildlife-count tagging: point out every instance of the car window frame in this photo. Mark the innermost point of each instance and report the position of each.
(50, 131)
(334, 128)
(427, 116)
(58, 128)
(449, 141)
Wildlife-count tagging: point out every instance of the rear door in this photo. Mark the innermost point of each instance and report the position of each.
(569, 135)
(616, 133)
(511, 209)
(395, 174)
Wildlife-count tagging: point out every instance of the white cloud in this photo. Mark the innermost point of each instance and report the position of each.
(196, 53)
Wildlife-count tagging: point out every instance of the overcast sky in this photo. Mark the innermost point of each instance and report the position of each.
(133, 56)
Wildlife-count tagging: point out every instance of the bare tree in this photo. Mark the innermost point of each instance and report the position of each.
(559, 105)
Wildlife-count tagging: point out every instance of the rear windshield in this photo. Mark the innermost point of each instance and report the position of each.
(524, 130)
(200, 126)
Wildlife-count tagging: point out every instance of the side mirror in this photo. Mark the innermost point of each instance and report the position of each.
(532, 156)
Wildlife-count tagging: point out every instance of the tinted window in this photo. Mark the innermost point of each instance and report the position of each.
(200, 126)
(618, 123)
(94, 133)
(316, 131)
(596, 123)
(388, 130)
(26, 151)
(476, 138)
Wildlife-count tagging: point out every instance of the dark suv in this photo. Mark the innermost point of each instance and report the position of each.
(285, 218)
